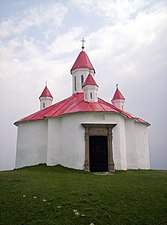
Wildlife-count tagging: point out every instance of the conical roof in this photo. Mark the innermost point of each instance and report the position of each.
(82, 61)
(118, 95)
(46, 93)
(90, 81)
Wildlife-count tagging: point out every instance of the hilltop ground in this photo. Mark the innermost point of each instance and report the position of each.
(42, 195)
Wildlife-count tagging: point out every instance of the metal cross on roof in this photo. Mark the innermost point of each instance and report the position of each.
(83, 40)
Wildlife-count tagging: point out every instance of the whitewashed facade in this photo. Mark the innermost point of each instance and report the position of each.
(60, 138)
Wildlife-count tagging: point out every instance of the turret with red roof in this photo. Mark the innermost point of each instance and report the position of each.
(118, 99)
(45, 98)
(90, 89)
(81, 68)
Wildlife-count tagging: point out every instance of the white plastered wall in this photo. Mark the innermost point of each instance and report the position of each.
(119, 103)
(66, 144)
(45, 102)
(142, 146)
(54, 150)
(72, 139)
(132, 157)
(31, 143)
(60, 140)
(90, 93)
(119, 142)
(66, 141)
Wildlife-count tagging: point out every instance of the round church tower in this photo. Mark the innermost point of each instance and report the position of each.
(80, 70)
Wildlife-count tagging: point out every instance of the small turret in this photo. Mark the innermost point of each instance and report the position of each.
(90, 89)
(45, 98)
(118, 99)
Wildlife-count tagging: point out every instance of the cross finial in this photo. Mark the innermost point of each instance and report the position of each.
(46, 83)
(83, 40)
(116, 85)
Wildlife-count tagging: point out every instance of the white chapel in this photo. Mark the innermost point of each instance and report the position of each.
(83, 131)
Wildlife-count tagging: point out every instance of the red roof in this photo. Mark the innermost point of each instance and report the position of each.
(82, 61)
(90, 81)
(118, 95)
(46, 93)
(75, 104)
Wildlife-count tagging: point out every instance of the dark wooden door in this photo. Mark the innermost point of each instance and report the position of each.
(98, 153)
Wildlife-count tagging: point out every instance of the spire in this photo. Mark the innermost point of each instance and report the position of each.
(118, 99)
(45, 98)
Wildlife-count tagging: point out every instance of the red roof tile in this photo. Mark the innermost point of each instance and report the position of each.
(90, 81)
(75, 104)
(82, 61)
(46, 93)
(118, 95)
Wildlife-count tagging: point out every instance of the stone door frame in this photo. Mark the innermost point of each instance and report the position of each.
(95, 129)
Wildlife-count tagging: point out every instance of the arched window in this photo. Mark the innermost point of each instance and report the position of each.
(43, 105)
(91, 95)
(82, 80)
(75, 83)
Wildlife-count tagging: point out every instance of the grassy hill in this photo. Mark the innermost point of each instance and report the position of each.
(56, 195)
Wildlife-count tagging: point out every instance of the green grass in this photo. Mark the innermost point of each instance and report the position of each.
(48, 195)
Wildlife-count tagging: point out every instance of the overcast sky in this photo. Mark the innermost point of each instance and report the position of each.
(126, 42)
